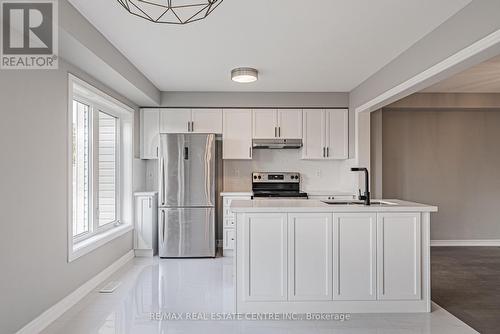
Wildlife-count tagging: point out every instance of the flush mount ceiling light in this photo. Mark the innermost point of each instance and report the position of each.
(170, 11)
(244, 74)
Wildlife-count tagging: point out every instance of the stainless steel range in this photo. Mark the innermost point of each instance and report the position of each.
(276, 185)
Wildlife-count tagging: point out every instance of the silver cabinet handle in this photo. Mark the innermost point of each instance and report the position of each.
(250, 152)
(275, 132)
(189, 126)
(279, 131)
(157, 151)
(192, 126)
(327, 151)
(323, 152)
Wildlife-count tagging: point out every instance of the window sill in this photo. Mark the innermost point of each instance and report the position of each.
(86, 246)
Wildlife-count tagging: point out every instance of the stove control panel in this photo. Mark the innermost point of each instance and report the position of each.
(286, 177)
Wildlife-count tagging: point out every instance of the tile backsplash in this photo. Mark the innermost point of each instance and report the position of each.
(317, 175)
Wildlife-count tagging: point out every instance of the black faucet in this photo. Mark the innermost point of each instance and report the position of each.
(366, 196)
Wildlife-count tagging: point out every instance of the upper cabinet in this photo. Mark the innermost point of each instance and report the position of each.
(149, 133)
(325, 134)
(206, 120)
(277, 123)
(190, 120)
(175, 120)
(237, 134)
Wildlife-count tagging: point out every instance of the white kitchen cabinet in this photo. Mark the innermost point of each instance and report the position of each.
(265, 254)
(228, 221)
(265, 123)
(325, 134)
(310, 256)
(175, 120)
(399, 272)
(354, 256)
(237, 134)
(190, 120)
(290, 123)
(277, 123)
(149, 133)
(229, 239)
(206, 120)
(337, 133)
(146, 224)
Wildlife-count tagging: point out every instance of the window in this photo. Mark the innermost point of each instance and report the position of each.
(101, 156)
(95, 170)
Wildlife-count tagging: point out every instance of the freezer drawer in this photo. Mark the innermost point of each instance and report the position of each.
(186, 232)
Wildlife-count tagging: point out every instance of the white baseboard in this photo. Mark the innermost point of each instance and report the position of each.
(46, 318)
(143, 252)
(483, 242)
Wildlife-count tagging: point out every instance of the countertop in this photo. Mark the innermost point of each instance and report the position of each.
(310, 205)
(236, 193)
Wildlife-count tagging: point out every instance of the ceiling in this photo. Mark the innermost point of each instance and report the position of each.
(298, 46)
(482, 78)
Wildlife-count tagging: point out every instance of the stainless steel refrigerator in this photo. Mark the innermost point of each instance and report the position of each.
(187, 196)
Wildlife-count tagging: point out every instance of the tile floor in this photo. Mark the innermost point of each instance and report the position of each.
(205, 285)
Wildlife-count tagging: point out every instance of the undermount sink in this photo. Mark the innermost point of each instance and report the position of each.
(373, 202)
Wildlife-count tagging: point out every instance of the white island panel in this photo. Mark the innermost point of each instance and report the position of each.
(355, 248)
(310, 256)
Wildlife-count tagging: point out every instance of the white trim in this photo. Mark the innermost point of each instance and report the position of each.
(455, 59)
(477, 242)
(46, 318)
(88, 245)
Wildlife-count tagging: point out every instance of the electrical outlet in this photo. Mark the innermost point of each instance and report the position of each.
(318, 173)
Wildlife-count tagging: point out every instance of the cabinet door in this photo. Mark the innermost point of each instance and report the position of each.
(206, 120)
(354, 256)
(399, 256)
(265, 256)
(337, 133)
(175, 120)
(237, 134)
(150, 133)
(144, 219)
(265, 124)
(314, 134)
(310, 256)
(290, 123)
(228, 241)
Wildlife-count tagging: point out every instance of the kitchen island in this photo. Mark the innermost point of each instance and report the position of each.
(309, 256)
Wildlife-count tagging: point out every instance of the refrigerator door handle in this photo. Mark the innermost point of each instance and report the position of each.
(162, 181)
(162, 227)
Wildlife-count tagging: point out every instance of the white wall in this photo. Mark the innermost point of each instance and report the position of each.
(35, 272)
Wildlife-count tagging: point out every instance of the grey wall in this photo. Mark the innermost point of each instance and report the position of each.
(450, 158)
(81, 44)
(35, 273)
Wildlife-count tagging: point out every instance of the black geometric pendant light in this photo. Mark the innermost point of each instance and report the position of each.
(170, 11)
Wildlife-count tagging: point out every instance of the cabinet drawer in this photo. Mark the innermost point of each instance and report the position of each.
(229, 223)
(229, 236)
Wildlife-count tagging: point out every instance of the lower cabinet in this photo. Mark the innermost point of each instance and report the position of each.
(310, 256)
(323, 256)
(399, 256)
(146, 224)
(354, 256)
(265, 254)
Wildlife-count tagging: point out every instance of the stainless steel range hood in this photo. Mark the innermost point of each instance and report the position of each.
(277, 143)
